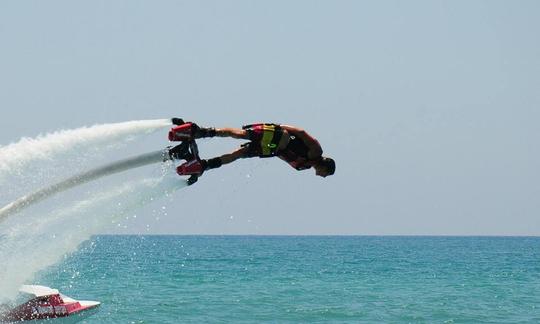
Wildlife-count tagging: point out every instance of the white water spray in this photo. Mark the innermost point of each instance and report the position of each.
(43, 240)
(36, 239)
(16, 156)
(109, 169)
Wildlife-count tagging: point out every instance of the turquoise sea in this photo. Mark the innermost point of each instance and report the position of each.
(205, 279)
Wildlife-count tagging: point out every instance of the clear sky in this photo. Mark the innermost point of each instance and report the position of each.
(430, 108)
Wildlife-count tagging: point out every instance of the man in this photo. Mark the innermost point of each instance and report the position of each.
(291, 144)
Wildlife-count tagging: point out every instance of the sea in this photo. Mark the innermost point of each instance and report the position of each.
(305, 279)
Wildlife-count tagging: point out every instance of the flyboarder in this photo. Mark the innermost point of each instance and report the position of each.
(291, 144)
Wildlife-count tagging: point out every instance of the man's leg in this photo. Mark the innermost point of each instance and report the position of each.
(192, 130)
(226, 158)
(197, 167)
(232, 132)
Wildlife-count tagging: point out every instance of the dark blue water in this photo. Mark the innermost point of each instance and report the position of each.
(171, 279)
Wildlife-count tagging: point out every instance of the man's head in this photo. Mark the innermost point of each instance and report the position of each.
(325, 167)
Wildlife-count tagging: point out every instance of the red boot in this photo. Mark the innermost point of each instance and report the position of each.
(190, 131)
(193, 167)
(183, 132)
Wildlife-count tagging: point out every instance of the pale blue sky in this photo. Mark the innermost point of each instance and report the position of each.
(430, 108)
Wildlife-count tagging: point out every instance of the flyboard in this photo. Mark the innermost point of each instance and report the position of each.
(187, 150)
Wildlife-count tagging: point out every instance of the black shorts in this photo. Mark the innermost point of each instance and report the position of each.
(252, 149)
(264, 138)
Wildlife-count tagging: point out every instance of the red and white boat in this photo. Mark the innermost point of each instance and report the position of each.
(44, 303)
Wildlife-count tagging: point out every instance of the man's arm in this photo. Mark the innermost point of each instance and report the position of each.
(313, 145)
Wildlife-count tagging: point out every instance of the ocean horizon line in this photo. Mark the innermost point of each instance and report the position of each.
(329, 235)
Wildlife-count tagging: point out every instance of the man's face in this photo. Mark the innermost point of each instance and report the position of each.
(321, 171)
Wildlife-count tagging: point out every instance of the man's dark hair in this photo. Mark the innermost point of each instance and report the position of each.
(329, 164)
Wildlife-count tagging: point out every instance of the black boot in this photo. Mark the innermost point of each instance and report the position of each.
(212, 163)
(202, 132)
